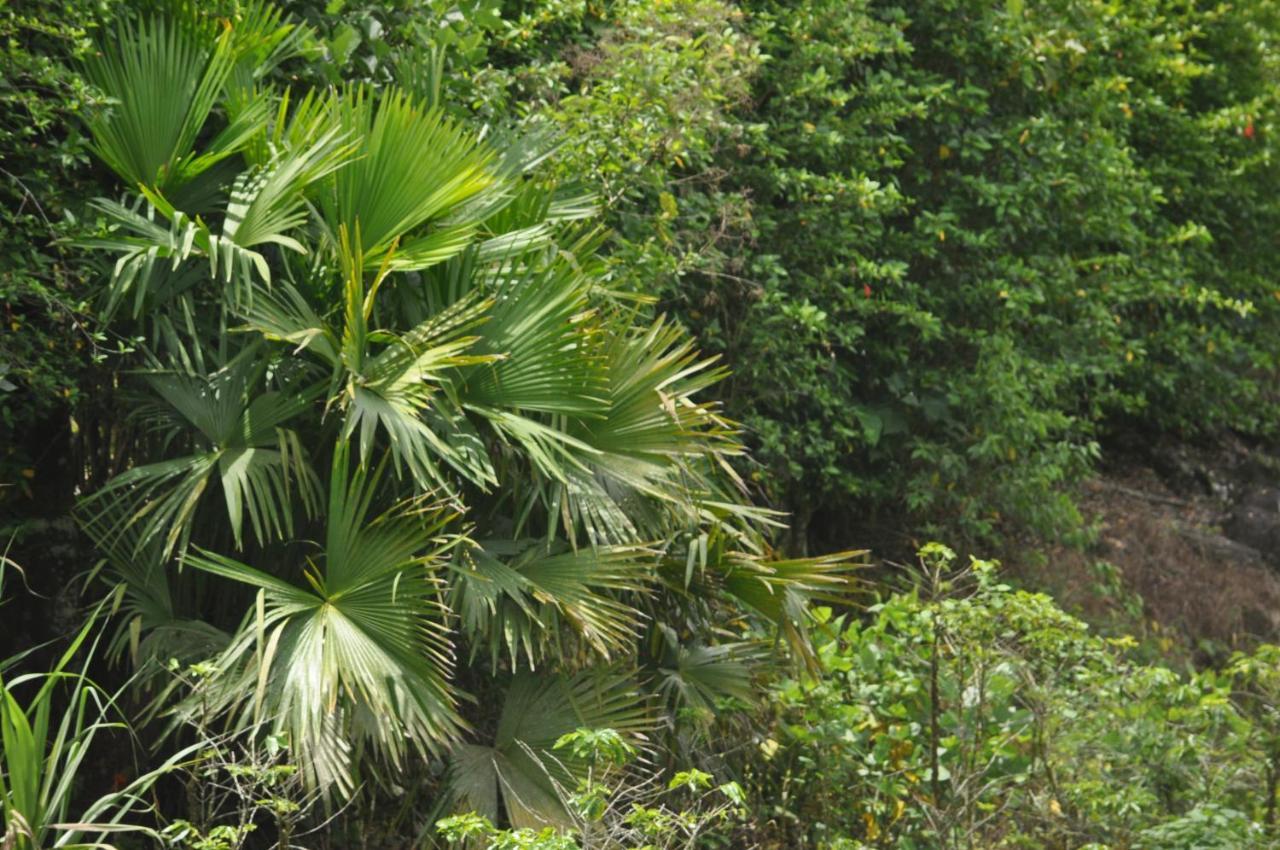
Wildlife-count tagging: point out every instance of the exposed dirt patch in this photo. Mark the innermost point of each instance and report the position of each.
(1161, 566)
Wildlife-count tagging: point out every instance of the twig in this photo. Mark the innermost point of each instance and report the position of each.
(1144, 495)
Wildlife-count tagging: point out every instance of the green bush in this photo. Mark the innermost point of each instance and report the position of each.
(972, 714)
(984, 234)
(48, 337)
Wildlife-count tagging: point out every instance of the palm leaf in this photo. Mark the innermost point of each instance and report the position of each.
(240, 443)
(698, 675)
(164, 77)
(518, 771)
(518, 597)
(357, 657)
(413, 166)
(782, 591)
(149, 248)
(654, 454)
(542, 342)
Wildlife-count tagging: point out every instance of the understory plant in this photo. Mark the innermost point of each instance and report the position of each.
(967, 713)
(406, 478)
(618, 804)
(49, 723)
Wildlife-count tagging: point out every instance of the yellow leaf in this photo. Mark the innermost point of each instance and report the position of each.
(942, 236)
(1128, 357)
(944, 152)
(667, 202)
(873, 828)
(28, 473)
(1055, 807)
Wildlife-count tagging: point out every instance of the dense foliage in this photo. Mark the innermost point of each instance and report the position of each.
(49, 335)
(985, 233)
(970, 714)
(392, 439)
(412, 377)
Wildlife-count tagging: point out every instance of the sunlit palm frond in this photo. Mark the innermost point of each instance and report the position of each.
(654, 450)
(392, 382)
(358, 653)
(269, 202)
(164, 76)
(262, 37)
(543, 343)
(413, 167)
(522, 597)
(155, 250)
(391, 386)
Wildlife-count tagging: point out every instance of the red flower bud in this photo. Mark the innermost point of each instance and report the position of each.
(1248, 130)
(866, 290)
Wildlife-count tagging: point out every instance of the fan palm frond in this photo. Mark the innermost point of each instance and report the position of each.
(240, 443)
(413, 167)
(358, 653)
(541, 339)
(654, 450)
(164, 77)
(518, 597)
(264, 205)
(518, 771)
(698, 675)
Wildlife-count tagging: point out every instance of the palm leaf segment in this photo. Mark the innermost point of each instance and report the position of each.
(525, 597)
(518, 771)
(239, 441)
(358, 653)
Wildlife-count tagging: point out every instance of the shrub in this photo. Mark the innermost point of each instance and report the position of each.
(969, 713)
(983, 235)
(49, 338)
(348, 292)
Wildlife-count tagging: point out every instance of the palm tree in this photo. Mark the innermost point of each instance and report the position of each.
(529, 490)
